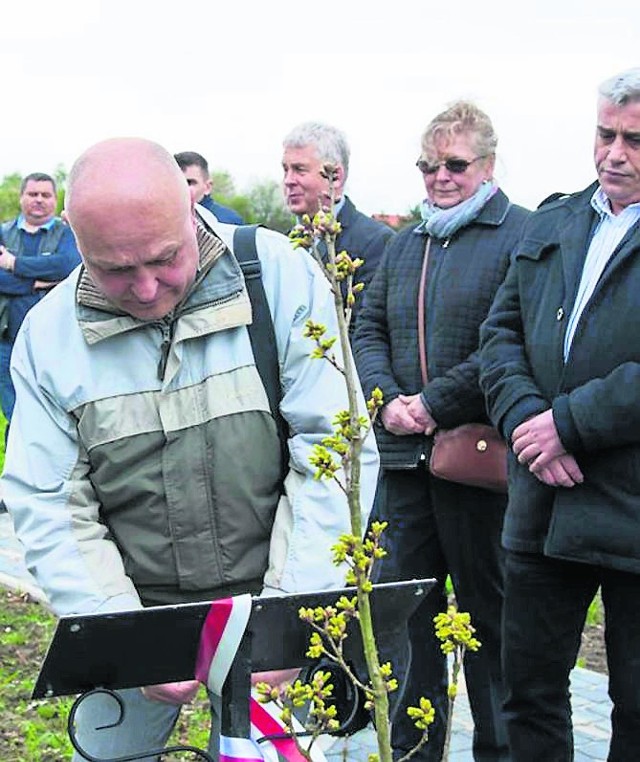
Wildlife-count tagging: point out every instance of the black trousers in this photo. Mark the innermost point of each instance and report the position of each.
(546, 603)
(439, 528)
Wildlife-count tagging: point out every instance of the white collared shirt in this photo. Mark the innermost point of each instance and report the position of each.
(610, 230)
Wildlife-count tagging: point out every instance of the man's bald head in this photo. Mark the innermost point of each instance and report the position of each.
(130, 210)
(124, 170)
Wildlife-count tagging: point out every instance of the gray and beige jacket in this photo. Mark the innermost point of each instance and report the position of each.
(144, 463)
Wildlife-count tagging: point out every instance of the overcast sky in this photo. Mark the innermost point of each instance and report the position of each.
(229, 79)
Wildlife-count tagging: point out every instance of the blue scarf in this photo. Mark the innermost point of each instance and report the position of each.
(443, 223)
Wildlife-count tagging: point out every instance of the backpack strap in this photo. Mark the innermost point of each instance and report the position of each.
(261, 331)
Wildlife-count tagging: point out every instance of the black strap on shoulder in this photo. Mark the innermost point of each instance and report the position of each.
(261, 331)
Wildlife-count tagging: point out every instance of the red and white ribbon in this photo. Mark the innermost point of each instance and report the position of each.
(265, 721)
(220, 638)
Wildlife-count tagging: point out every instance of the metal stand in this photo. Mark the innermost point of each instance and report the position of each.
(100, 653)
(71, 730)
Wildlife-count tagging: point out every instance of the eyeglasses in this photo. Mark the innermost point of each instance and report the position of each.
(455, 166)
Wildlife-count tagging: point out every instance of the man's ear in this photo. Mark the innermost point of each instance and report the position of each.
(339, 182)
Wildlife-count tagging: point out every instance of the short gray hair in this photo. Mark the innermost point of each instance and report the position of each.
(330, 142)
(622, 88)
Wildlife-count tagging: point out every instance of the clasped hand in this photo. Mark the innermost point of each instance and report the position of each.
(536, 444)
(7, 259)
(406, 414)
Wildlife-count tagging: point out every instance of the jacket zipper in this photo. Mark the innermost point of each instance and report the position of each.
(165, 346)
(167, 328)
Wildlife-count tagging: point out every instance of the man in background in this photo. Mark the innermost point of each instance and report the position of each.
(307, 149)
(196, 171)
(560, 367)
(39, 251)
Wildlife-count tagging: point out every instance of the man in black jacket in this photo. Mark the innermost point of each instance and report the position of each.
(560, 367)
(307, 148)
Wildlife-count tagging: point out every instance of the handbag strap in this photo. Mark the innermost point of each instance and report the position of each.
(422, 345)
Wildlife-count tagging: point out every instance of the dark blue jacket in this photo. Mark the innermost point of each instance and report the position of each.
(50, 258)
(595, 395)
(463, 276)
(222, 213)
(363, 237)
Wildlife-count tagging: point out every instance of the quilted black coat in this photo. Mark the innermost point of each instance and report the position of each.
(463, 276)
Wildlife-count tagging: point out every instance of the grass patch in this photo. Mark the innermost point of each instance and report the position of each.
(37, 730)
(3, 426)
(595, 614)
(31, 730)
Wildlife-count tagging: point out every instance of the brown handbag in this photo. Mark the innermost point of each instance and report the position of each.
(474, 453)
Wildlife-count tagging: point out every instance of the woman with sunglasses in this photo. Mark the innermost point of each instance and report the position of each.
(455, 259)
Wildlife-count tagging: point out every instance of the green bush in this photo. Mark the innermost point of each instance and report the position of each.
(3, 426)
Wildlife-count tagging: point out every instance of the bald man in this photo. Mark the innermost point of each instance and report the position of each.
(144, 463)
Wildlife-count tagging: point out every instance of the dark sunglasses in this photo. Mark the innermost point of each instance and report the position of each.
(455, 166)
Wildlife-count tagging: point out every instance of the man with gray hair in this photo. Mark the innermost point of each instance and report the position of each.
(307, 149)
(560, 367)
